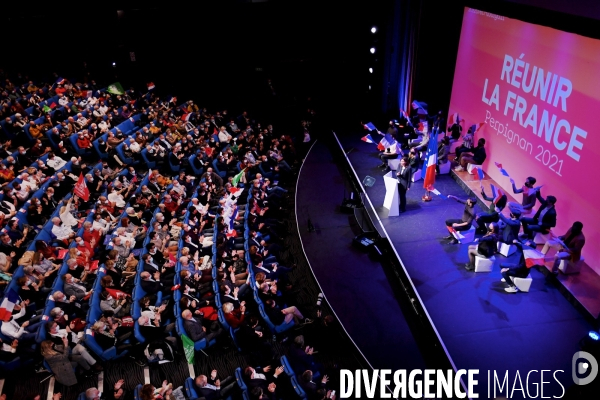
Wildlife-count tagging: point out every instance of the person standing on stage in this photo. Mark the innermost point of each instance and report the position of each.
(463, 224)
(404, 176)
(526, 206)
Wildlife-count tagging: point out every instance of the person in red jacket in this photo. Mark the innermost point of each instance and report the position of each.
(234, 318)
(90, 235)
(171, 205)
(83, 141)
(84, 247)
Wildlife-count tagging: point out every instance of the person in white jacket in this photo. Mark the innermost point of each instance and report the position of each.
(55, 162)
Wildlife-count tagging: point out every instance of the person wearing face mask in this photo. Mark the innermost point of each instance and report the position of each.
(482, 220)
(463, 224)
(84, 248)
(11, 249)
(6, 174)
(24, 160)
(74, 324)
(106, 336)
(25, 332)
(71, 341)
(119, 308)
(73, 287)
(484, 247)
(30, 290)
(55, 161)
(38, 150)
(529, 198)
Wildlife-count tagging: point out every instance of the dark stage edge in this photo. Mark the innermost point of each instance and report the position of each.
(482, 326)
(355, 287)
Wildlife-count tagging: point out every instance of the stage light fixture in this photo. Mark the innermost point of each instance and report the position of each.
(114, 64)
(374, 29)
(369, 87)
(370, 70)
(372, 50)
(594, 335)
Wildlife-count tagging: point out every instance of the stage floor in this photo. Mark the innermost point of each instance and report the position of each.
(356, 287)
(482, 326)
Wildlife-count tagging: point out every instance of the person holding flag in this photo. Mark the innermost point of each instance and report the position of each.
(498, 199)
(529, 198)
(392, 152)
(476, 157)
(463, 224)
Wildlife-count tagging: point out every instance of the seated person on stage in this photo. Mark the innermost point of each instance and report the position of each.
(477, 156)
(486, 247)
(422, 145)
(443, 151)
(526, 206)
(391, 130)
(456, 130)
(498, 204)
(390, 153)
(463, 224)
(543, 220)
(510, 270)
(467, 144)
(568, 246)
(511, 228)
(414, 160)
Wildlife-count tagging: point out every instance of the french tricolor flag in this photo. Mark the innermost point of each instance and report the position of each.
(430, 163)
(186, 117)
(60, 81)
(532, 257)
(231, 232)
(404, 114)
(453, 119)
(86, 94)
(478, 127)
(386, 142)
(502, 170)
(369, 126)
(8, 304)
(150, 85)
(367, 139)
(497, 193)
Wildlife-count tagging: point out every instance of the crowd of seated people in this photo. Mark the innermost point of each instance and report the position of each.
(179, 233)
(498, 228)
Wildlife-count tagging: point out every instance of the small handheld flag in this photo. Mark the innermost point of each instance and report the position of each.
(437, 192)
(367, 139)
(480, 173)
(532, 257)
(150, 85)
(497, 193)
(81, 188)
(369, 126)
(115, 88)
(237, 178)
(386, 142)
(502, 170)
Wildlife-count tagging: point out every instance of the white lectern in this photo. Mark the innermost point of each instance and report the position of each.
(391, 194)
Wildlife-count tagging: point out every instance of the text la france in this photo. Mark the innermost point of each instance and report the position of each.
(548, 88)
